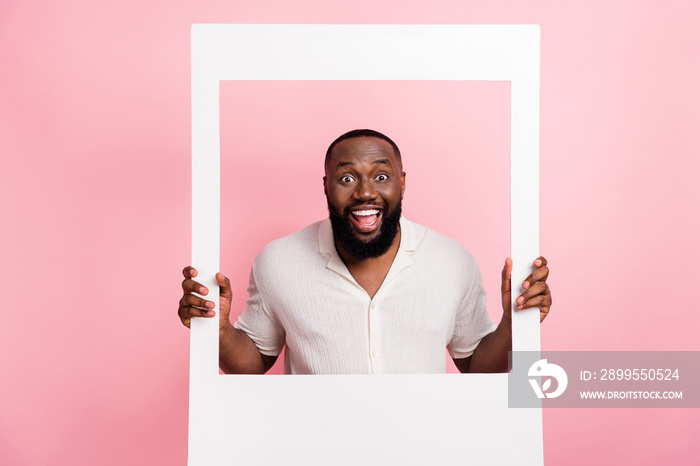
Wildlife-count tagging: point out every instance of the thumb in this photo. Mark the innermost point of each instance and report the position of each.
(505, 285)
(224, 286)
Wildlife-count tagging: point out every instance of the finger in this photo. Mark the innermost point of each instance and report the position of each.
(224, 286)
(540, 261)
(538, 301)
(190, 300)
(505, 286)
(189, 271)
(505, 275)
(193, 311)
(538, 275)
(542, 300)
(186, 313)
(544, 311)
(194, 306)
(191, 286)
(538, 288)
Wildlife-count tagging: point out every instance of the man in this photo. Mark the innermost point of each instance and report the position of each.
(365, 291)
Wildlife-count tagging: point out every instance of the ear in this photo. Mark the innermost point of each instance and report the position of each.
(403, 183)
(325, 189)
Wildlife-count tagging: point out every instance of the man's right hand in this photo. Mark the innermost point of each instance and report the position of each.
(194, 306)
(237, 352)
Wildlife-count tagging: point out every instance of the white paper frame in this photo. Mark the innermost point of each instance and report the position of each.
(368, 420)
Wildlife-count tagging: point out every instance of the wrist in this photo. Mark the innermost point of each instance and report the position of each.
(225, 329)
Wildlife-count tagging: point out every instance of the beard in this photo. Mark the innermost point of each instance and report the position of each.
(353, 244)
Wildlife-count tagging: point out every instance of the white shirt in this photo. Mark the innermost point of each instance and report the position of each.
(301, 294)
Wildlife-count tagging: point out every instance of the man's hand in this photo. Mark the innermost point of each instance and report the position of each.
(491, 354)
(537, 293)
(237, 352)
(194, 306)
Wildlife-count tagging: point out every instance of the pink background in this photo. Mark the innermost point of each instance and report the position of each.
(95, 205)
(455, 143)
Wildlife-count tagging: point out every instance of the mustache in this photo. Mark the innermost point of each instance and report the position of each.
(348, 209)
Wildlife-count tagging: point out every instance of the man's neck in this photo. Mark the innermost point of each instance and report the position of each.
(370, 273)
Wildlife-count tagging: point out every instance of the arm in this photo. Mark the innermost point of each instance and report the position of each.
(239, 355)
(491, 354)
(237, 352)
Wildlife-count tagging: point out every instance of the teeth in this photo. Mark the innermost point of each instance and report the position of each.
(363, 213)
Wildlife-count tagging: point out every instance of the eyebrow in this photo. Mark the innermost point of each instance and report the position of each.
(374, 162)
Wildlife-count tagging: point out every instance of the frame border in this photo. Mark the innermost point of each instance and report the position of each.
(237, 418)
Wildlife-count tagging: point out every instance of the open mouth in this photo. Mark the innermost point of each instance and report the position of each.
(366, 220)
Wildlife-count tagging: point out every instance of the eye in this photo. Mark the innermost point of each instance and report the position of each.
(347, 179)
(382, 177)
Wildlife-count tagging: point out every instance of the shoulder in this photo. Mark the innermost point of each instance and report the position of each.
(442, 249)
(289, 251)
(430, 241)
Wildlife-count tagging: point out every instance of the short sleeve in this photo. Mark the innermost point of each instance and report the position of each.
(259, 323)
(472, 322)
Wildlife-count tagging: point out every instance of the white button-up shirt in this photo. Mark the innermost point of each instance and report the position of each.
(301, 294)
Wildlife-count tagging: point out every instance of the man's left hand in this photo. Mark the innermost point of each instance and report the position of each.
(537, 293)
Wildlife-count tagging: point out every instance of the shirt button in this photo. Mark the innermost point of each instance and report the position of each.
(375, 353)
(372, 305)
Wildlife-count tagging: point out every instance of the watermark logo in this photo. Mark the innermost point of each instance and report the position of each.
(604, 379)
(544, 369)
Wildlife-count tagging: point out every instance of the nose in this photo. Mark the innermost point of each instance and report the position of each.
(365, 190)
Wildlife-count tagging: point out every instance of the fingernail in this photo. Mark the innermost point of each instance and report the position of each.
(210, 305)
(202, 290)
(538, 262)
(520, 300)
(526, 284)
(211, 313)
(520, 308)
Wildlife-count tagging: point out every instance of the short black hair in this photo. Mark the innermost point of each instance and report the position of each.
(362, 133)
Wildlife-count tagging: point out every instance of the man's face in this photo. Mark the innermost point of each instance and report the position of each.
(364, 185)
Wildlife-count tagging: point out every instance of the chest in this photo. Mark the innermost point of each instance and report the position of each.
(370, 280)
